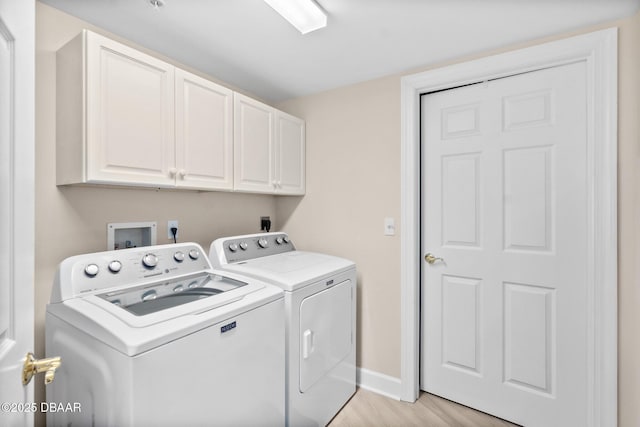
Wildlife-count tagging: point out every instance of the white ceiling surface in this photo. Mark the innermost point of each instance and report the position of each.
(247, 44)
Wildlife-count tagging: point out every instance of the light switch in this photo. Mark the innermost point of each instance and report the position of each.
(389, 227)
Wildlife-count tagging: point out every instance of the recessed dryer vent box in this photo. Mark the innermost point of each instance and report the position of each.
(122, 235)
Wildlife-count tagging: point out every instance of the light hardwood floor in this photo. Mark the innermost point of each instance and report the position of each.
(368, 409)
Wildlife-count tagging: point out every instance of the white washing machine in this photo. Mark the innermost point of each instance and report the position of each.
(320, 305)
(154, 336)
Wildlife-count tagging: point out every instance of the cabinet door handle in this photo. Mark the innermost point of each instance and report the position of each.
(183, 173)
(172, 172)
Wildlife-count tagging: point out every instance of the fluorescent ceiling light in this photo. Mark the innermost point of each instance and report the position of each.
(305, 15)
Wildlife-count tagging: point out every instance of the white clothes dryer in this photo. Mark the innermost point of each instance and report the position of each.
(154, 336)
(320, 306)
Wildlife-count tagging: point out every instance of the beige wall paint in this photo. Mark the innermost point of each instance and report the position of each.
(73, 220)
(629, 222)
(353, 182)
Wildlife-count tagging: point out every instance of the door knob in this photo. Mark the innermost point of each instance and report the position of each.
(430, 258)
(34, 366)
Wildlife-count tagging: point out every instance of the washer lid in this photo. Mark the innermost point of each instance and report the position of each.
(134, 328)
(149, 299)
(292, 270)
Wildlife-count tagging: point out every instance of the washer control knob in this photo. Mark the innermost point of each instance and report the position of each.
(244, 246)
(149, 295)
(285, 239)
(263, 243)
(115, 266)
(194, 254)
(179, 256)
(279, 240)
(233, 247)
(150, 260)
(91, 270)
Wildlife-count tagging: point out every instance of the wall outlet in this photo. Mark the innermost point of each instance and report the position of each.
(171, 224)
(265, 223)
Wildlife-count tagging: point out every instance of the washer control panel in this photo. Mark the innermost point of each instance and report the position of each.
(243, 248)
(88, 273)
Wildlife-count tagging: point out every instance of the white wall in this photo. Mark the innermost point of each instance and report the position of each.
(353, 141)
(353, 183)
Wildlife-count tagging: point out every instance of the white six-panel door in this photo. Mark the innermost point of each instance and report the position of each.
(504, 321)
(17, 83)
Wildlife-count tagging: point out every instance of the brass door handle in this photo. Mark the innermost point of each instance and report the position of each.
(33, 366)
(430, 258)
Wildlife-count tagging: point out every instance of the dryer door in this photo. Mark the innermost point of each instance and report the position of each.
(325, 332)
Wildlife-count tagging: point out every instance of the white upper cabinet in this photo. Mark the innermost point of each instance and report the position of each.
(269, 149)
(127, 118)
(290, 154)
(204, 144)
(253, 136)
(115, 108)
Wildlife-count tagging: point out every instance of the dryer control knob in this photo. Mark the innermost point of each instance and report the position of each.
(194, 254)
(115, 266)
(263, 243)
(279, 240)
(91, 270)
(244, 246)
(233, 247)
(150, 260)
(286, 239)
(178, 256)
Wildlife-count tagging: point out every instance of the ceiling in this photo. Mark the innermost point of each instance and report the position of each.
(247, 44)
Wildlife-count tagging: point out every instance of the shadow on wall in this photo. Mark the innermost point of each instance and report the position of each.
(286, 206)
(84, 212)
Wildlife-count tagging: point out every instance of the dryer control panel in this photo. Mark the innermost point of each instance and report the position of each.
(236, 249)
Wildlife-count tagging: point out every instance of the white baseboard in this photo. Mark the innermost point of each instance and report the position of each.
(378, 383)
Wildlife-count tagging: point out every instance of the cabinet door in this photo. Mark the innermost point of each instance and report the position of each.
(130, 117)
(204, 150)
(253, 145)
(290, 154)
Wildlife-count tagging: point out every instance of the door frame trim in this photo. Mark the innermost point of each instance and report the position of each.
(600, 52)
